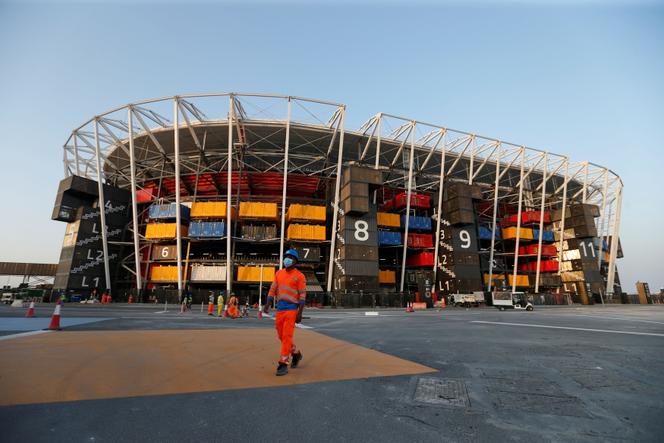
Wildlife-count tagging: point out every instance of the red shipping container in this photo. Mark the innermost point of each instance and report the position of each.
(508, 221)
(545, 266)
(416, 200)
(547, 250)
(420, 240)
(529, 217)
(420, 259)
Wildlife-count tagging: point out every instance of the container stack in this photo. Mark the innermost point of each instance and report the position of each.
(162, 229)
(356, 255)
(580, 271)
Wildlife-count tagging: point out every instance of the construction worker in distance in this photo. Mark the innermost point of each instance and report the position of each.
(233, 311)
(289, 290)
(220, 303)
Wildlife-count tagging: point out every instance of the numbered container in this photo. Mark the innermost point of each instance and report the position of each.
(164, 252)
(420, 240)
(308, 253)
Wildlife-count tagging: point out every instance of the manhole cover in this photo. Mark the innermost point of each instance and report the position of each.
(441, 392)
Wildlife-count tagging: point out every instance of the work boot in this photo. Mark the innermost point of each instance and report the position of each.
(295, 359)
(282, 369)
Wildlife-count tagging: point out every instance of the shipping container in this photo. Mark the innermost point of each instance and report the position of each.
(355, 205)
(547, 250)
(306, 213)
(354, 189)
(574, 276)
(533, 217)
(164, 252)
(259, 232)
(210, 210)
(362, 174)
(547, 236)
(420, 259)
(421, 201)
(522, 281)
(462, 216)
(420, 240)
(252, 274)
(510, 233)
(305, 232)
(358, 267)
(201, 229)
(386, 219)
(159, 231)
(308, 253)
(259, 211)
(356, 252)
(416, 223)
(168, 211)
(387, 276)
(164, 274)
(389, 238)
(209, 273)
(485, 233)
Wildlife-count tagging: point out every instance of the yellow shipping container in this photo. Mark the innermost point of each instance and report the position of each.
(521, 280)
(391, 220)
(253, 274)
(263, 211)
(306, 212)
(387, 276)
(494, 277)
(209, 210)
(164, 273)
(305, 232)
(159, 231)
(510, 234)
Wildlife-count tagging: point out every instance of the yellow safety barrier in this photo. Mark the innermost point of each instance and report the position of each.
(253, 274)
(389, 220)
(306, 212)
(305, 232)
(261, 211)
(158, 231)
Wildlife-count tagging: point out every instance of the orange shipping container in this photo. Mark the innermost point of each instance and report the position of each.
(210, 210)
(510, 234)
(305, 232)
(159, 231)
(389, 220)
(164, 273)
(306, 212)
(260, 211)
(253, 274)
(387, 276)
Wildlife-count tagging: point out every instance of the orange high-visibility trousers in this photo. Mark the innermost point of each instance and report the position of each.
(285, 323)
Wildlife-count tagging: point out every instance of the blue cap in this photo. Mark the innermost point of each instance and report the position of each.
(293, 253)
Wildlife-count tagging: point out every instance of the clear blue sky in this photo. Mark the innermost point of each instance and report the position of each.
(586, 80)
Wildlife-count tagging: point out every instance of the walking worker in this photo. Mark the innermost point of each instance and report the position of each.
(233, 311)
(289, 290)
(220, 303)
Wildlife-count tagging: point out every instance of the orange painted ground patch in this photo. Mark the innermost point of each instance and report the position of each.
(68, 366)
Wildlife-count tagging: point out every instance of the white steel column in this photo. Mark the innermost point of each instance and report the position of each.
(378, 124)
(178, 215)
(409, 193)
(102, 208)
(602, 219)
(78, 169)
(541, 222)
(585, 183)
(614, 240)
(229, 183)
(494, 219)
(518, 222)
(335, 204)
(134, 206)
(563, 214)
(439, 211)
(285, 186)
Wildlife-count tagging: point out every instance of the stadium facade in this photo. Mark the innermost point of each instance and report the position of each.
(205, 192)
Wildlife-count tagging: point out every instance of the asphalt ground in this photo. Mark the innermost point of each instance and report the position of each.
(555, 374)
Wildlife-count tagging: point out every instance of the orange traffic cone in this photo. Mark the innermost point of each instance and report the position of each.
(443, 305)
(55, 318)
(31, 310)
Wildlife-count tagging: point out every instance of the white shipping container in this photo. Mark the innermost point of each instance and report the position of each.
(213, 274)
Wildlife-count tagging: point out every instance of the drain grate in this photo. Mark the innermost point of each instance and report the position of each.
(441, 392)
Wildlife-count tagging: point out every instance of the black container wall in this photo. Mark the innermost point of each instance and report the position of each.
(358, 252)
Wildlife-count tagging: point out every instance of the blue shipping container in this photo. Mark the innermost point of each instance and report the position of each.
(168, 211)
(201, 229)
(389, 238)
(417, 223)
(485, 233)
(546, 235)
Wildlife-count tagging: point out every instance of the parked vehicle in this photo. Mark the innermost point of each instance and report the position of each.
(7, 298)
(511, 300)
(474, 299)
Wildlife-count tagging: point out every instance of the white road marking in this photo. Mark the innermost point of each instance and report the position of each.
(371, 313)
(23, 334)
(599, 317)
(652, 334)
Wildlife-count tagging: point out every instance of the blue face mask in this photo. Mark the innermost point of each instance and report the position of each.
(288, 262)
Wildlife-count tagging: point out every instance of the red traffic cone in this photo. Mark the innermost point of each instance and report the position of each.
(443, 305)
(31, 310)
(55, 318)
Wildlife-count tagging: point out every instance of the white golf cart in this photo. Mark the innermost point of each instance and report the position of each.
(511, 300)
